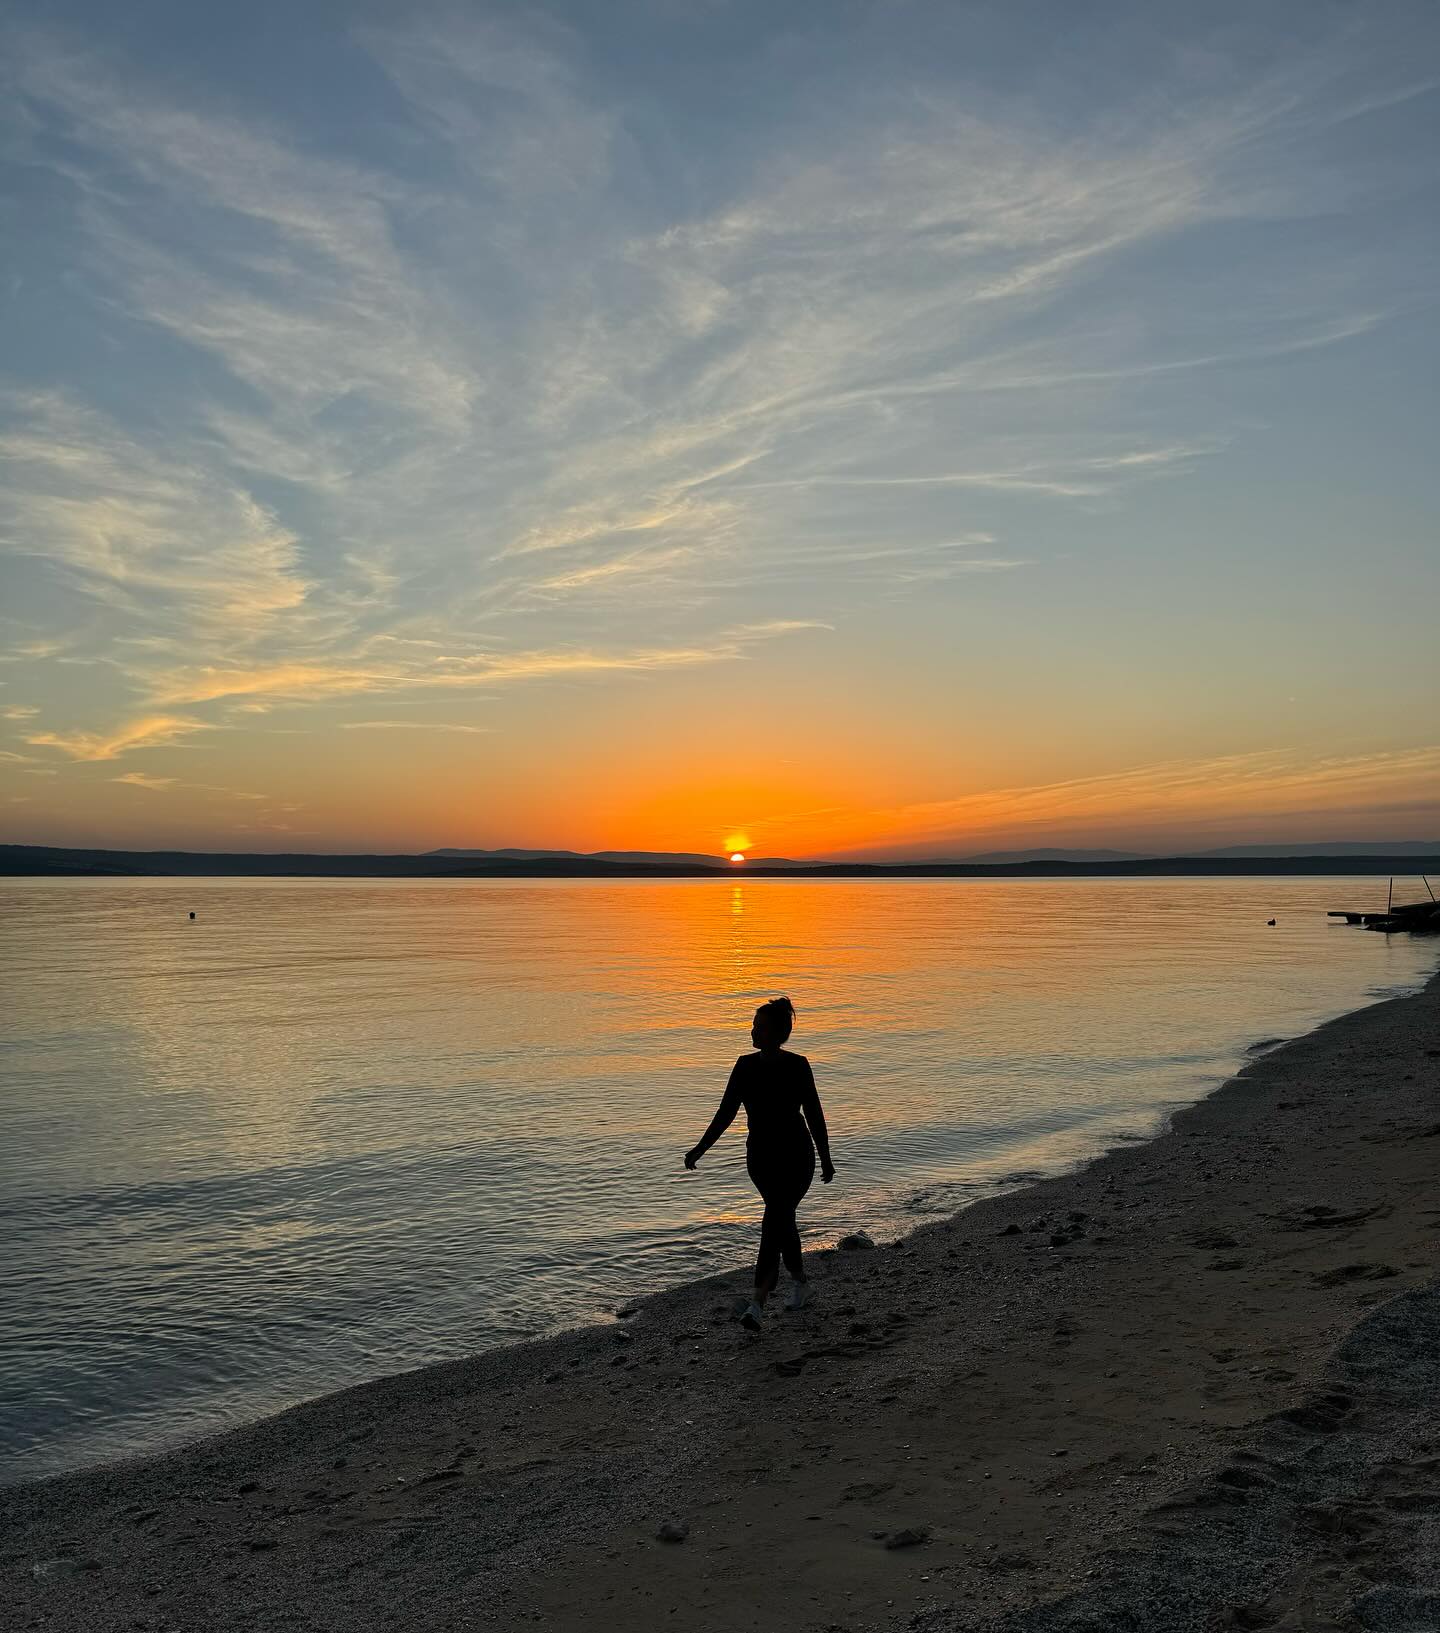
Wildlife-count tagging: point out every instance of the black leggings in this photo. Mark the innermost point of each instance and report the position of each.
(782, 1175)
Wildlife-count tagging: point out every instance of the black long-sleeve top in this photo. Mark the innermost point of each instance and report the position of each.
(776, 1089)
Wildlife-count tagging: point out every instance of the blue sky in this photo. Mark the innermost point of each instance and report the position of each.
(856, 425)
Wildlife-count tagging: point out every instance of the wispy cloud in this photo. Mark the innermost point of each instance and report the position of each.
(666, 382)
(1358, 107)
(456, 671)
(150, 731)
(316, 305)
(135, 528)
(32, 651)
(415, 725)
(140, 779)
(1074, 478)
(643, 563)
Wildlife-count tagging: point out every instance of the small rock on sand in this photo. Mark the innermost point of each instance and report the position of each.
(672, 1531)
(908, 1536)
(64, 1565)
(856, 1242)
(1354, 1272)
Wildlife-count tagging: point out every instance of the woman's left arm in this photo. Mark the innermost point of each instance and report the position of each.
(815, 1117)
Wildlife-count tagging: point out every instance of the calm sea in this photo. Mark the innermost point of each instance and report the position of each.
(333, 1129)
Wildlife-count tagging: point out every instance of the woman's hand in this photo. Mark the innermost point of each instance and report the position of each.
(827, 1172)
(691, 1158)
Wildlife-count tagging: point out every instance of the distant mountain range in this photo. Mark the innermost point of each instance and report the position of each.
(1015, 858)
(648, 859)
(1253, 861)
(1384, 847)
(1379, 847)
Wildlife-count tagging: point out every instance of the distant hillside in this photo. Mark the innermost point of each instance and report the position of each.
(509, 853)
(1380, 847)
(40, 860)
(1009, 858)
(1359, 847)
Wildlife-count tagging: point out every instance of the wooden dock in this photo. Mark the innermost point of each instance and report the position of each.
(1419, 918)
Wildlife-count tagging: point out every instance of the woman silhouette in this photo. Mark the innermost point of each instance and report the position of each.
(775, 1087)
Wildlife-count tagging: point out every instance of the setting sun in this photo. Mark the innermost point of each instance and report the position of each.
(739, 856)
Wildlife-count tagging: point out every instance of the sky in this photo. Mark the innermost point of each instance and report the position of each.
(825, 429)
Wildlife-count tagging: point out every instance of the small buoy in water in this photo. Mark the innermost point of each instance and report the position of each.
(1272, 920)
(1268, 921)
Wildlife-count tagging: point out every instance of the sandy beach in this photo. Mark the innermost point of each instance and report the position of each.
(1193, 1385)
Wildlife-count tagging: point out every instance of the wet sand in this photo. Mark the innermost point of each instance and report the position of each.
(1193, 1385)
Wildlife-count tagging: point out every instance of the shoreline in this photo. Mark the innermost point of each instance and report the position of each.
(532, 1477)
(71, 862)
(895, 1215)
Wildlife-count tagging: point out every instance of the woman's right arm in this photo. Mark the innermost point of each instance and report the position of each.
(815, 1117)
(729, 1105)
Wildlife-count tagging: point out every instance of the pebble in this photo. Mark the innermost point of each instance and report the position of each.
(908, 1536)
(63, 1565)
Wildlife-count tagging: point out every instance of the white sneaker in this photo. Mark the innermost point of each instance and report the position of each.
(799, 1293)
(751, 1318)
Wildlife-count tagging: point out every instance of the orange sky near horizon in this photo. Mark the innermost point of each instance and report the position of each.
(1268, 797)
(439, 796)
